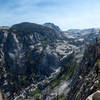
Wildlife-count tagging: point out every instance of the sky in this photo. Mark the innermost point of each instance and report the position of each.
(67, 14)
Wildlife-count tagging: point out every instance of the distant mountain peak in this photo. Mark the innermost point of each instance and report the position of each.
(52, 25)
(4, 27)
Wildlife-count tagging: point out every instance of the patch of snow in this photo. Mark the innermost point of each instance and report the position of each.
(81, 39)
(69, 36)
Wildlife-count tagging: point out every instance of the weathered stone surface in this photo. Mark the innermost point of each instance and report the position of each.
(89, 82)
(1, 96)
(94, 96)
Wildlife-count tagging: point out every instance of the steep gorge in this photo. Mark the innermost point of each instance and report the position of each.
(86, 80)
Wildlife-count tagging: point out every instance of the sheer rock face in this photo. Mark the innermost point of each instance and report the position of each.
(86, 81)
(40, 48)
(29, 53)
(28, 47)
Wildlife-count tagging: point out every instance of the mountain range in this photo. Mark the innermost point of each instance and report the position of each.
(30, 53)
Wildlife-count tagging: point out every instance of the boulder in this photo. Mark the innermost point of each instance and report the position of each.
(94, 96)
(1, 96)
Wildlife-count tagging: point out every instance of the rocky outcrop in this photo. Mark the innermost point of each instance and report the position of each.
(94, 96)
(29, 52)
(84, 87)
(1, 96)
(86, 82)
(52, 26)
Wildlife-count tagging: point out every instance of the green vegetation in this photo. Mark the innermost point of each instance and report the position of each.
(97, 63)
(37, 91)
(61, 97)
(20, 98)
(78, 96)
(36, 94)
(56, 81)
(67, 71)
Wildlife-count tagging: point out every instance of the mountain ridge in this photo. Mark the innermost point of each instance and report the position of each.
(31, 53)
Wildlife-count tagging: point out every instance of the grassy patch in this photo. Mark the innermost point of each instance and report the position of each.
(61, 97)
(56, 82)
(37, 91)
(66, 73)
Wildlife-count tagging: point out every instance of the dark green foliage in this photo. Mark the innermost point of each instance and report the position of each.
(67, 71)
(61, 97)
(37, 91)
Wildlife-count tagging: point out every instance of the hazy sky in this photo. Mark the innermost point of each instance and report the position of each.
(64, 13)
